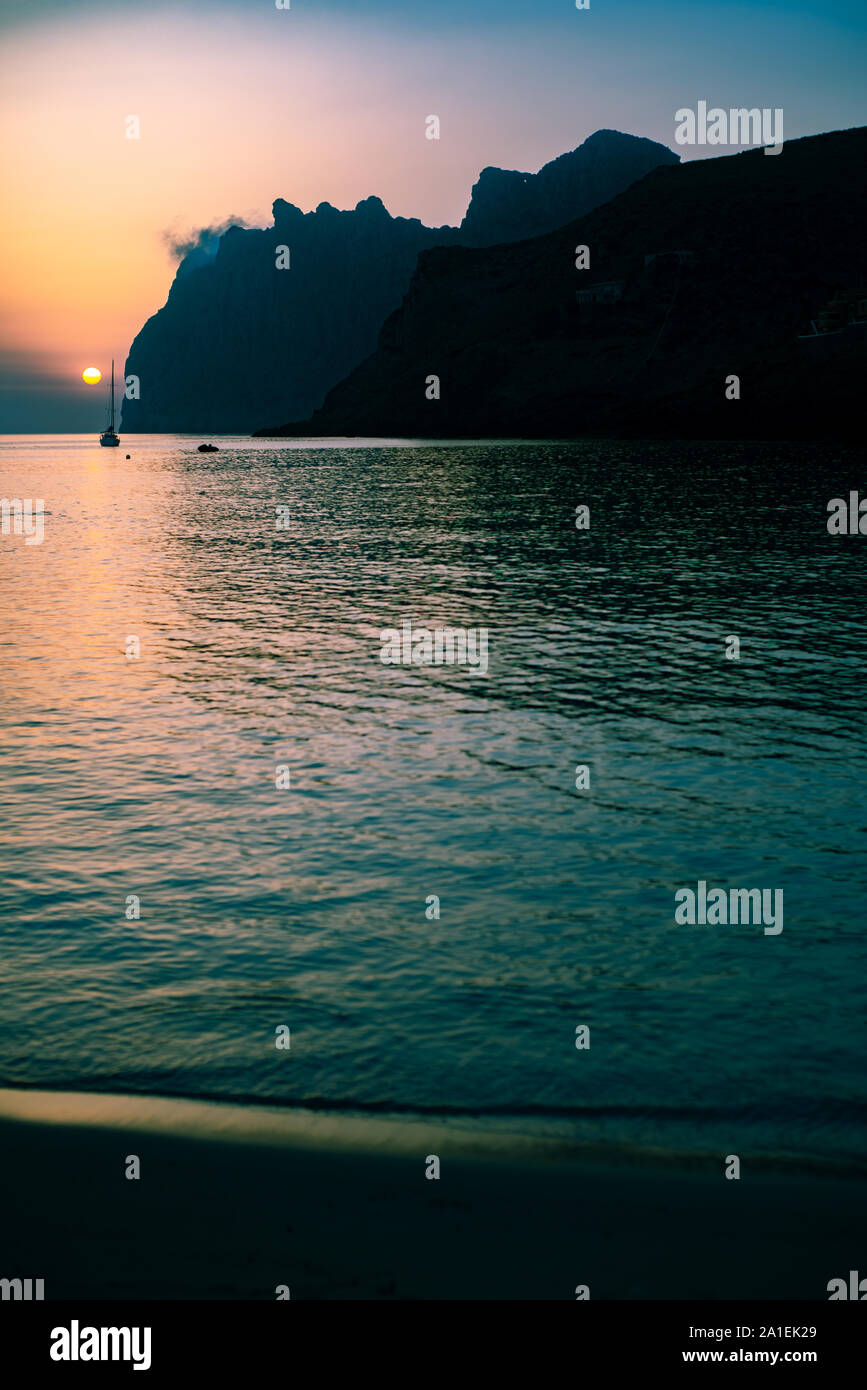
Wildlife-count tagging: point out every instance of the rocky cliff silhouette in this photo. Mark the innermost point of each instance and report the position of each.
(698, 273)
(240, 342)
(507, 206)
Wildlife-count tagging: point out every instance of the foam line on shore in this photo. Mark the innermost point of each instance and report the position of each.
(337, 1131)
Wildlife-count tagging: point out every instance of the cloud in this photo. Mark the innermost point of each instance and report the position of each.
(181, 244)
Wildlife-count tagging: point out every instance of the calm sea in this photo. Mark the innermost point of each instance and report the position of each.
(305, 906)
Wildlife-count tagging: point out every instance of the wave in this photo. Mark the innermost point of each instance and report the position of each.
(488, 1133)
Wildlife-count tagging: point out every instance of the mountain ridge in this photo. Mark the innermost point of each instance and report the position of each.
(767, 242)
(239, 340)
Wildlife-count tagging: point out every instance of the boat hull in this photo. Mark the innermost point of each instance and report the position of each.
(109, 441)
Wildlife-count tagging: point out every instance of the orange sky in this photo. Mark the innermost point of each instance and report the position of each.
(232, 115)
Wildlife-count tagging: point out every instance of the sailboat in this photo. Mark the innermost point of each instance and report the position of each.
(109, 439)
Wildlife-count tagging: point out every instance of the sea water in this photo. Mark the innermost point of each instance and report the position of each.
(429, 900)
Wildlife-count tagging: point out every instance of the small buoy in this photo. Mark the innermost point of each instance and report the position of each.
(128, 455)
(208, 449)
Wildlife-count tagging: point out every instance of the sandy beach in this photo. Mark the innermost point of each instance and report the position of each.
(233, 1202)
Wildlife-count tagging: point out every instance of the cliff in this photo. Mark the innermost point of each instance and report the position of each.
(768, 241)
(508, 206)
(240, 341)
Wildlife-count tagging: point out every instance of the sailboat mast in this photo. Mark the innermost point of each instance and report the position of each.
(111, 422)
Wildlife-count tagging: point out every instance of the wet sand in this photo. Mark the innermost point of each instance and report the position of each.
(234, 1201)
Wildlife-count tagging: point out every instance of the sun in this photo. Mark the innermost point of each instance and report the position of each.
(91, 375)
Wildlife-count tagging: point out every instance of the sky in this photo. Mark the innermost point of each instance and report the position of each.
(239, 102)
